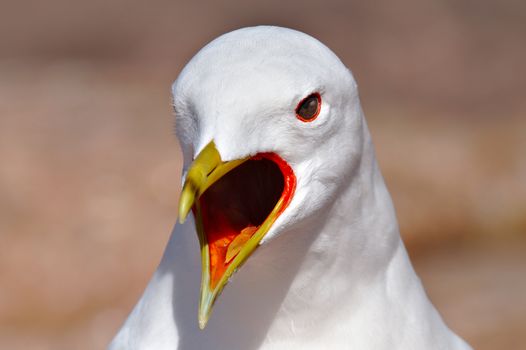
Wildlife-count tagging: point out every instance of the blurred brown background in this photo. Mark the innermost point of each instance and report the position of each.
(90, 169)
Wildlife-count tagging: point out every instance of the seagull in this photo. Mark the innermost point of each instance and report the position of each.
(287, 236)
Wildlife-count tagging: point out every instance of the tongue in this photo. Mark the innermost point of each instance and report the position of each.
(235, 246)
(225, 237)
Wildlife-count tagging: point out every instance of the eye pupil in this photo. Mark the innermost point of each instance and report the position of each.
(309, 108)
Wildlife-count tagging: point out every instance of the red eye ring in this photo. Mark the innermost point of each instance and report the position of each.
(309, 108)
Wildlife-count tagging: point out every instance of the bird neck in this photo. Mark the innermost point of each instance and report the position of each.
(355, 281)
(350, 251)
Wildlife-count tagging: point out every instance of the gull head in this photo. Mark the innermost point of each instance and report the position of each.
(271, 128)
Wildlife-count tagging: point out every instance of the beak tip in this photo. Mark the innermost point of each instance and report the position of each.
(182, 216)
(185, 203)
(202, 322)
(184, 209)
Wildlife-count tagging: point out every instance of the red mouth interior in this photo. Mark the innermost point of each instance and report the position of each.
(234, 207)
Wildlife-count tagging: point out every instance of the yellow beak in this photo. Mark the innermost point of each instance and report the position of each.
(205, 170)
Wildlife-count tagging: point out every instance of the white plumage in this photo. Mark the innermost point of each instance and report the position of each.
(332, 271)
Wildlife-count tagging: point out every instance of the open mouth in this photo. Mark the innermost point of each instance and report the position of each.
(235, 204)
(235, 207)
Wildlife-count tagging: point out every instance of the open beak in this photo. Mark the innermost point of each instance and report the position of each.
(234, 203)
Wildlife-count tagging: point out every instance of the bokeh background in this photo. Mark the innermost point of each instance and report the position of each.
(90, 168)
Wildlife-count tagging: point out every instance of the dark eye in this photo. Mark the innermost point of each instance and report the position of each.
(309, 108)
